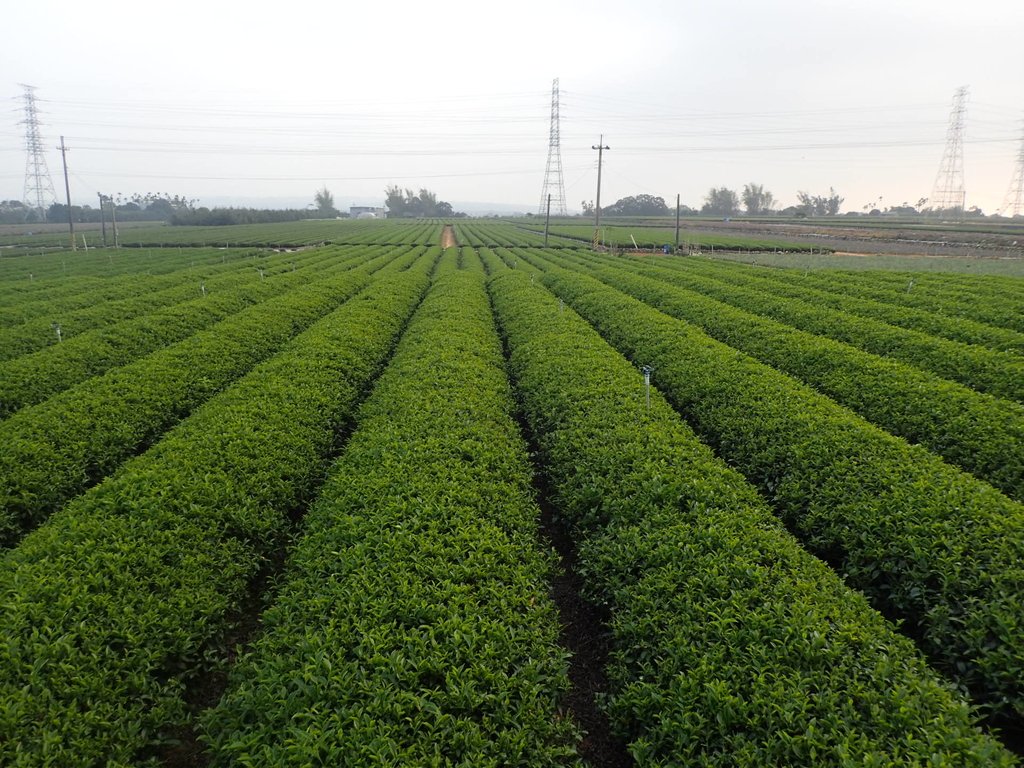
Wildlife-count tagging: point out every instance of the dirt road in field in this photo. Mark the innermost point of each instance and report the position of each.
(448, 237)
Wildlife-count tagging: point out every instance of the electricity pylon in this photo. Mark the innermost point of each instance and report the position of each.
(949, 193)
(554, 184)
(39, 192)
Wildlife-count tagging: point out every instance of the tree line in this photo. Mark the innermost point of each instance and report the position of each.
(725, 202)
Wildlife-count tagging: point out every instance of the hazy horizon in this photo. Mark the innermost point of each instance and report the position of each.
(215, 101)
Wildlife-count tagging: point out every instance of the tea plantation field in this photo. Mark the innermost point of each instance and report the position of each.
(346, 497)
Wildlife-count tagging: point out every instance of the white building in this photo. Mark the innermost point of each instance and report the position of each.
(366, 212)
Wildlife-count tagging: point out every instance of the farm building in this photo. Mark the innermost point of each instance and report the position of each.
(366, 212)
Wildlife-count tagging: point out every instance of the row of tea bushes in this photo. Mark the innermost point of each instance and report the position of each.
(731, 644)
(118, 602)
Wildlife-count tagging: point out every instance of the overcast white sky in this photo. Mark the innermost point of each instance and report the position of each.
(238, 100)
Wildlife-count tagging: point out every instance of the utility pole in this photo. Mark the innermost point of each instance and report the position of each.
(547, 222)
(103, 220)
(113, 220)
(67, 190)
(677, 222)
(597, 210)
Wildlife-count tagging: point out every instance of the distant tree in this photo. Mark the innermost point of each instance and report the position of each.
(721, 202)
(640, 205)
(588, 207)
(16, 212)
(902, 210)
(819, 205)
(394, 200)
(216, 217)
(324, 202)
(757, 200)
(408, 204)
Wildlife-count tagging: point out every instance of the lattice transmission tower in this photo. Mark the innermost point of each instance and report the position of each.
(39, 192)
(554, 183)
(1013, 203)
(948, 192)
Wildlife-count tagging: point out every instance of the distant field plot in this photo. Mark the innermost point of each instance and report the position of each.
(618, 235)
(1012, 267)
(284, 235)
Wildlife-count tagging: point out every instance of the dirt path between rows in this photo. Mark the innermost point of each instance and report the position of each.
(448, 237)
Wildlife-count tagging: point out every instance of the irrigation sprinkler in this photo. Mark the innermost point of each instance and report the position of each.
(56, 327)
(910, 285)
(202, 287)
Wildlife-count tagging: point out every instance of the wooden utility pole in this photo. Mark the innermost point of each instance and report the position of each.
(547, 222)
(597, 210)
(677, 222)
(67, 190)
(103, 220)
(113, 219)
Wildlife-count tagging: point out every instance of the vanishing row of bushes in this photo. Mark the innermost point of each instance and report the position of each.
(113, 607)
(931, 546)
(731, 644)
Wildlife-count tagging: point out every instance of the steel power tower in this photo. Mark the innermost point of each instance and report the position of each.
(38, 186)
(1013, 203)
(948, 192)
(554, 184)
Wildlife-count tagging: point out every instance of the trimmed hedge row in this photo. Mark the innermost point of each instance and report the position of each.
(953, 304)
(989, 303)
(979, 433)
(63, 293)
(982, 286)
(107, 264)
(731, 644)
(987, 370)
(52, 451)
(929, 544)
(414, 625)
(122, 599)
(38, 333)
(34, 377)
(778, 282)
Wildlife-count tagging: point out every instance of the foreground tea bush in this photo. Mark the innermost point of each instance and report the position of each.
(731, 645)
(414, 626)
(932, 546)
(111, 608)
